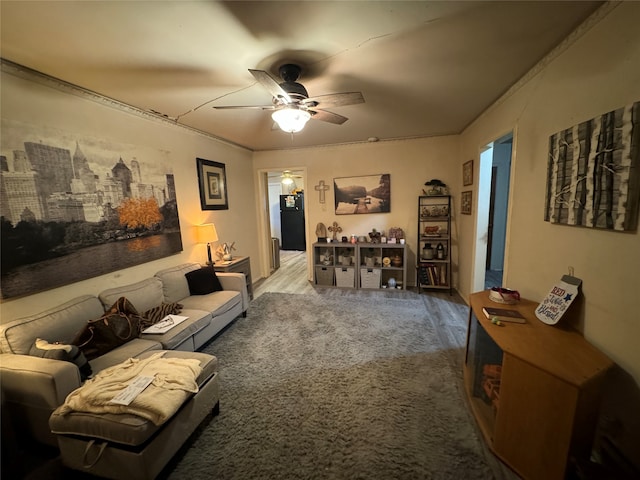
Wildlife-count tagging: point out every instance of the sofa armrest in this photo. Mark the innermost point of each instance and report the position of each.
(237, 282)
(37, 382)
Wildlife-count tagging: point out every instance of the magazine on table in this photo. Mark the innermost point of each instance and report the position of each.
(166, 324)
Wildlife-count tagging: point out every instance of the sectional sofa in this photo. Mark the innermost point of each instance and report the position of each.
(33, 387)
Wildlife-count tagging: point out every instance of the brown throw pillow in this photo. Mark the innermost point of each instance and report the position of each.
(203, 281)
(155, 314)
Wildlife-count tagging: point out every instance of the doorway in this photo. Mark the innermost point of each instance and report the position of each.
(494, 174)
(279, 184)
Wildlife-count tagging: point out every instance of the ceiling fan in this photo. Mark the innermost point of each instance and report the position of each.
(291, 103)
(288, 177)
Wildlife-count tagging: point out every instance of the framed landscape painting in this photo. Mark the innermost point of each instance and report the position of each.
(366, 194)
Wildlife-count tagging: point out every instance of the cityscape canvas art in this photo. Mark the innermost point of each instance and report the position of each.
(75, 207)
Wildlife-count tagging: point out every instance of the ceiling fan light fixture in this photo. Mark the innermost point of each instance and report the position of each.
(291, 120)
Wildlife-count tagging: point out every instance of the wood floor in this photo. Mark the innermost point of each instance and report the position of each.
(291, 277)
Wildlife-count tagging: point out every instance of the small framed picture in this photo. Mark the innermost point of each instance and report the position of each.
(212, 179)
(467, 173)
(465, 205)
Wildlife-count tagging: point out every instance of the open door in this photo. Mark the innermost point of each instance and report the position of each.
(494, 174)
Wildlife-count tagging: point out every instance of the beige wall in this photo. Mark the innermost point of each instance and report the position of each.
(410, 164)
(29, 101)
(596, 73)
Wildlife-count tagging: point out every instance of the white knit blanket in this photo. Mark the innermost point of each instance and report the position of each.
(174, 380)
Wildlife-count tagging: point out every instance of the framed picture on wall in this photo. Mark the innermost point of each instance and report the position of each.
(366, 194)
(467, 173)
(465, 205)
(212, 179)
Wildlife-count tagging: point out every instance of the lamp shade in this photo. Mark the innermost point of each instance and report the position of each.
(207, 233)
(290, 119)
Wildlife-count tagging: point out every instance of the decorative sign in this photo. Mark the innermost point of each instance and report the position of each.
(557, 301)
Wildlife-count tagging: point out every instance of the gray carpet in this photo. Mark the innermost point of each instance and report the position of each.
(336, 387)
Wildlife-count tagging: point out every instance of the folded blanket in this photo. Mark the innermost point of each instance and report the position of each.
(174, 380)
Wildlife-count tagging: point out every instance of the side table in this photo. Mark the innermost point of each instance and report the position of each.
(237, 265)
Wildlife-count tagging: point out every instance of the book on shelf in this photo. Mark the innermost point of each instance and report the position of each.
(503, 314)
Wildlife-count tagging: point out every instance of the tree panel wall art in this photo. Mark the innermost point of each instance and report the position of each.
(593, 173)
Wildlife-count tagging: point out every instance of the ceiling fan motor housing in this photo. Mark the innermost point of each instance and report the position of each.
(290, 73)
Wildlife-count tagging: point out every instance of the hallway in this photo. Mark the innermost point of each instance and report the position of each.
(291, 277)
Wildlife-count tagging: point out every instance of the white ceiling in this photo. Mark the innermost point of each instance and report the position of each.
(425, 68)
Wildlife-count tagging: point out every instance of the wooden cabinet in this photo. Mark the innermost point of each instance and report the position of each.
(360, 265)
(237, 265)
(533, 388)
(433, 268)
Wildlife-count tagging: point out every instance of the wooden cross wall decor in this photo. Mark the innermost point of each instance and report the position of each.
(321, 188)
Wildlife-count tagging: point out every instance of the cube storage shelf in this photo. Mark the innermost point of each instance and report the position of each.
(360, 265)
(433, 268)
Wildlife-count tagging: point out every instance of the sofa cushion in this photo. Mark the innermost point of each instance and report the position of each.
(174, 282)
(59, 324)
(175, 337)
(203, 281)
(144, 295)
(217, 302)
(119, 354)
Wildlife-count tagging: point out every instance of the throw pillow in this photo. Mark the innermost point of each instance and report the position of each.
(59, 351)
(203, 281)
(155, 314)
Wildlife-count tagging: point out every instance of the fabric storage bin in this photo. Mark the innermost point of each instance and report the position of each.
(370, 277)
(345, 277)
(324, 276)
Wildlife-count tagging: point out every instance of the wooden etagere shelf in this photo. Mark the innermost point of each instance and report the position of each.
(533, 388)
(360, 265)
(433, 268)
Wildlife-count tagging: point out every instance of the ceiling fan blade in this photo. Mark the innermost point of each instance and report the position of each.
(335, 99)
(271, 85)
(325, 116)
(245, 107)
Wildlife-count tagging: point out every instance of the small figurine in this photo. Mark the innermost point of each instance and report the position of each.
(321, 233)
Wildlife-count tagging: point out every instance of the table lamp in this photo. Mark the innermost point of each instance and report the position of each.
(207, 234)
